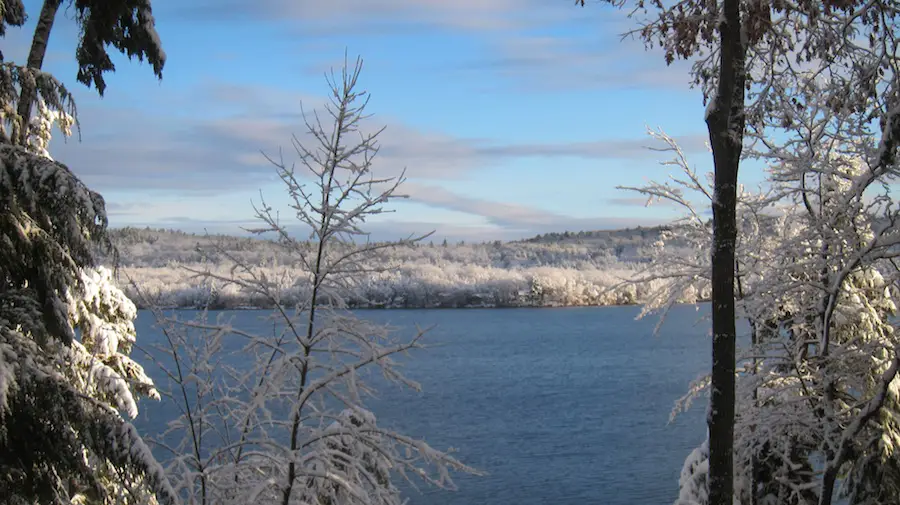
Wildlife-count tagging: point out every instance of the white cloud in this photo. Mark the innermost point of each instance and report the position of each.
(538, 45)
(128, 148)
(463, 14)
(514, 218)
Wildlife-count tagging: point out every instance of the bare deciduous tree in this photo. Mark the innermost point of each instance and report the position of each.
(292, 426)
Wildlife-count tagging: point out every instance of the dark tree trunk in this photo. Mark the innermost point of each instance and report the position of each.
(36, 61)
(828, 482)
(725, 121)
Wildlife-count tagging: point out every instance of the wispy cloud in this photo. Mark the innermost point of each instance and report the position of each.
(127, 148)
(116, 209)
(498, 213)
(193, 225)
(398, 229)
(595, 58)
(498, 94)
(513, 217)
(468, 14)
(630, 149)
(637, 201)
(538, 45)
(384, 230)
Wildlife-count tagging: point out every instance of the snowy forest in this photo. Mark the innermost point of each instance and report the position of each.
(553, 270)
(807, 411)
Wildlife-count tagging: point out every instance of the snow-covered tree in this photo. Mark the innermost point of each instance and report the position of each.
(752, 58)
(55, 102)
(65, 334)
(817, 391)
(66, 330)
(291, 426)
(828, 307)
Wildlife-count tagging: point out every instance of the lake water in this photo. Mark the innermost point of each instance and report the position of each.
(560, 406)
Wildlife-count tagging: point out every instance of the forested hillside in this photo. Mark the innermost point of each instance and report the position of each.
(570, 268)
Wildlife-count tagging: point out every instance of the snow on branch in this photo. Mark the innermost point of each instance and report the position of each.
(291, 425)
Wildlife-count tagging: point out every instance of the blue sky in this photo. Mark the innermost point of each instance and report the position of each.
(511, 117)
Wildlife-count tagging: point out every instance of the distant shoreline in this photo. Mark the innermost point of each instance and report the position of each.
(583, 269)
(141, 306)
(469, 307)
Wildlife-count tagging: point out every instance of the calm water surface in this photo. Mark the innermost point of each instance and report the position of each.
(560, 406)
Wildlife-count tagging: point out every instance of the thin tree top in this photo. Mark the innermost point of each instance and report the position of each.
(127, 25)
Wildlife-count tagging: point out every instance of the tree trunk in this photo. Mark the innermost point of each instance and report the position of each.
(828, 481)
(36, 61)
(725, 121)
(325, 223)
